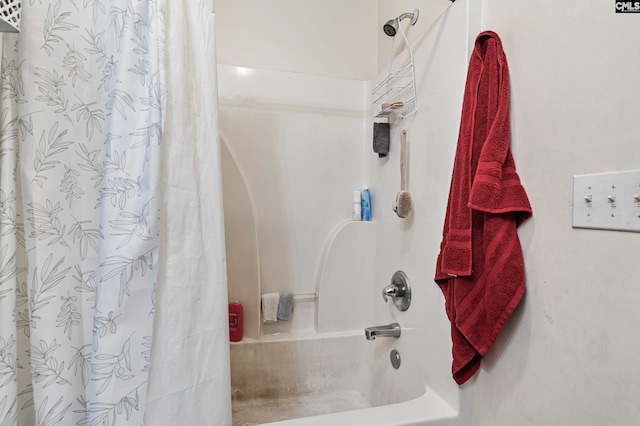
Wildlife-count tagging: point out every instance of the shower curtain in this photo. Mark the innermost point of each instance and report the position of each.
(112, 269)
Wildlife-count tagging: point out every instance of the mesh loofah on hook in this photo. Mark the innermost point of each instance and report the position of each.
(10, 16)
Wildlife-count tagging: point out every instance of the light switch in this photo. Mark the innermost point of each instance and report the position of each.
(607, 201)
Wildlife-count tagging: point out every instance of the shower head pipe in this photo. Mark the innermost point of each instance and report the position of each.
(390, 28)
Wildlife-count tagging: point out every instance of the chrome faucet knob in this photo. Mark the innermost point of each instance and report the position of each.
(391, 290)
(399, 290)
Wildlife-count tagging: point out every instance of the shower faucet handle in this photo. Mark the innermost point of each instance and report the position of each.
(392, 290)
(399, 290)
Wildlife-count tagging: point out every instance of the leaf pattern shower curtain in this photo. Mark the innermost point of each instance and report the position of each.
(82, 107)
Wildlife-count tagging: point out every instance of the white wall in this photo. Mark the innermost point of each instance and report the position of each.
(330, 37)
(337, 38)
(569, 356)
(295, 146)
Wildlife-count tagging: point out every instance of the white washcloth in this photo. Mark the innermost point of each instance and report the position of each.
(270, 307)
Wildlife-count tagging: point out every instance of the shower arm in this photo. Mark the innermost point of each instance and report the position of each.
(413, 16)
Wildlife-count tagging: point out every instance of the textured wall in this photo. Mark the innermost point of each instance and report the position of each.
(569, 357)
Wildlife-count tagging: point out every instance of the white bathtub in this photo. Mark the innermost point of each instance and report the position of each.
(337, 379)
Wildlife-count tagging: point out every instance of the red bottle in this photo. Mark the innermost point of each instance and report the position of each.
(235, 321)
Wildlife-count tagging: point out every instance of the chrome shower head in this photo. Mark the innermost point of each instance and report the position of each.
(390, 28)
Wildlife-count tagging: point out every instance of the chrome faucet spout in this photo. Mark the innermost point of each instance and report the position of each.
(391, 330)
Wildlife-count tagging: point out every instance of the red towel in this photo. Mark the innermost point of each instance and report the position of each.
(480, 268)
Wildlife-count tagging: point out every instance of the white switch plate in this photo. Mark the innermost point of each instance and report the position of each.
(607, 201)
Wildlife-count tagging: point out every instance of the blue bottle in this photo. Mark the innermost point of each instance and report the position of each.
(366, 203)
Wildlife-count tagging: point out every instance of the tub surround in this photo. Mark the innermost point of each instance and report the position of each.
(288, 134)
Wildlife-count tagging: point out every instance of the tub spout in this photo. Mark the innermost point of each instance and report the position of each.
(391, 330)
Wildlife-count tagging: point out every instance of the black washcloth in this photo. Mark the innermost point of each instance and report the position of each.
(381, 139)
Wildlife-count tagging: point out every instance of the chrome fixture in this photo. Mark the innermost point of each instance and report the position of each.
(395, 359)
(391, 330)
(399, 290)
(391, 26)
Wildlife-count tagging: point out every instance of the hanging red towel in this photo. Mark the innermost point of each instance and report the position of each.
(480, 268)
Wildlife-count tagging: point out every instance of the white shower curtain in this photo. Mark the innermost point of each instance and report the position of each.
(112, 269)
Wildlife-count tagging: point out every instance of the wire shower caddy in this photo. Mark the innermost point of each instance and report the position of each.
(396, 93)
(10, 16)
